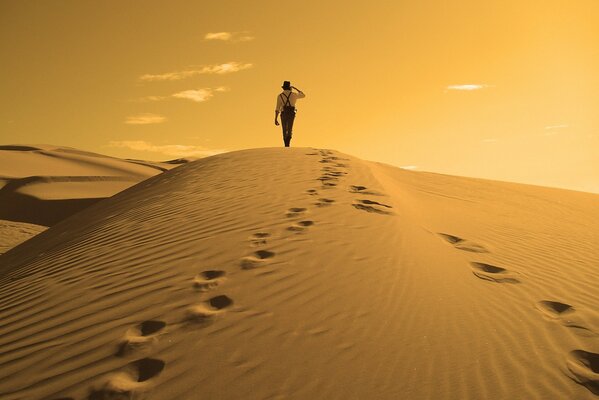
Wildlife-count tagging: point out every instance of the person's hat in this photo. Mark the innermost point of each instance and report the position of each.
(286, 85)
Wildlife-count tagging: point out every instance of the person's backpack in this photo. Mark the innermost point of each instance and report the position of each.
(287, 107)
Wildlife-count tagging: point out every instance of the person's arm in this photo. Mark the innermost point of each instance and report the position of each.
(278, 109)
(300, 94)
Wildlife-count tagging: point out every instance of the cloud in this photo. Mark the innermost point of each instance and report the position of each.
(552, 130)
(229, 36)
(200, 95)
(467, 87)
(144, 119)
(552, 127)
(409, 167)
(175, 150)
(197, 95)
(225, 68)
(147, 99)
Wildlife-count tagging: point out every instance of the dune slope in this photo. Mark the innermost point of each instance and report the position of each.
(44, 184)
(307, 274)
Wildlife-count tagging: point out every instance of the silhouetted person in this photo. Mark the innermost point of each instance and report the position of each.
(286, 106)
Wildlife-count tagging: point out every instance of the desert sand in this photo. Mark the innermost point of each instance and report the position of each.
(41, 185)
(294, 273)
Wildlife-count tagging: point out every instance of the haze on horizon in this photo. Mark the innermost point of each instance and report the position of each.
(501, 90)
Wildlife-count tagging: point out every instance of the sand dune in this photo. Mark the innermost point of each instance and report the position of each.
(307, 274)
(41, 185)
(44, 184)
(13, 233)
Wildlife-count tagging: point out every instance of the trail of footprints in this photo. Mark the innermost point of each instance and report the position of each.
(332, 173)
(138, 342)
(369, 205)
(140, 375)
(582, 366)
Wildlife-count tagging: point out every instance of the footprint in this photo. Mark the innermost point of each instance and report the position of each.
(565, 314)
(295, 212)
(259, 238)
(462, 244)
(322, 202)
(555, 309)
(207, 280)
(327, 179)
(335, 173)
(328, 184)
(220, 302)
(584, 369)
(261, 235)
(300, 226)
(257, 259)
(450, 238)
(141, 337)
(136, 378)
(209, 309)
(492, 273)
(370, 209)
(312, 192)
(372, 202)
(362, 190)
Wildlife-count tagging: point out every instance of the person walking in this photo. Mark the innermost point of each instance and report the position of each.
(286, 107)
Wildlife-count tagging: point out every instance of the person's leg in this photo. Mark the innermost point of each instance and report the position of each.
(285, 126)
(290, 127)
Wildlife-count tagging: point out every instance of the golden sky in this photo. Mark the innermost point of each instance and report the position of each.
(499, 89)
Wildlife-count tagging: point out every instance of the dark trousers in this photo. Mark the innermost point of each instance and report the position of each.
(287, 118)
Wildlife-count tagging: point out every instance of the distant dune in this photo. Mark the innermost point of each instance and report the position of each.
(293, 273)
(43, 184)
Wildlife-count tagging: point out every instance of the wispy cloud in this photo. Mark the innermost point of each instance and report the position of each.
(468, 87)
(197, 95)
(174, 150)
(147, 99)
(409, 167)
(225, 68)
(144, 119)
(229, 36)
(552, 130)
(553, 127)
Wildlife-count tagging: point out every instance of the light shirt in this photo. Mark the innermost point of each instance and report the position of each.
(282, 99)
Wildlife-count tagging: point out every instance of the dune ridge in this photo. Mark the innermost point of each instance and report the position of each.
(307, 273)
